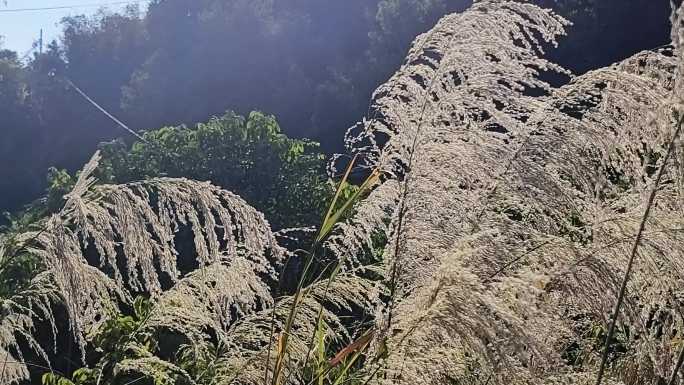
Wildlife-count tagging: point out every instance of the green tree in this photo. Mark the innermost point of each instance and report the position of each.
(282, 177)
(14, 117)
(599, 35)
(397, 22)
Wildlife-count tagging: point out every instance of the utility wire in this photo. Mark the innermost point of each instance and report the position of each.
(110, 116)
(25, 55)
(153, 145)
(14, 10)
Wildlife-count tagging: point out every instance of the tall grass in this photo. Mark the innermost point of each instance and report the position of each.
(633, 254)
(338, 207)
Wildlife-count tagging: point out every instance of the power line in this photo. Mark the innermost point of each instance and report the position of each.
(153, 145)
(110, 116)
(15, 10)
(25, 55)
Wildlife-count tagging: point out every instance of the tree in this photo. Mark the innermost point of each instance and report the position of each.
(14, 125)
(597, 37)
(398, 22)
(282, 177)
(48, 116)
(282, 57)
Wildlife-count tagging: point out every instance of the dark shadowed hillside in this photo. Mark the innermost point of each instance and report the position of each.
(313, 64)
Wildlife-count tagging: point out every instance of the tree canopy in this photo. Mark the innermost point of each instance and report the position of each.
(283, 178)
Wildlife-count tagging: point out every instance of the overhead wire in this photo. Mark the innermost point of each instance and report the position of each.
(155, 146)
(71, 83)
(101, 109)
(36, 9)
(27, 53)
(33, 48)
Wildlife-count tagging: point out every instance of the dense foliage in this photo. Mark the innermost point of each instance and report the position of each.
(283, 178)
(311, 63)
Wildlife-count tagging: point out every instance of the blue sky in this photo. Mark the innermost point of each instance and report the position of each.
(21, 29)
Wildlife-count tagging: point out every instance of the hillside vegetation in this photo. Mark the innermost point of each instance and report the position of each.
(313, 64)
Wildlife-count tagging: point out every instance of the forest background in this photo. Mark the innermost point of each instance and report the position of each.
(312, 64)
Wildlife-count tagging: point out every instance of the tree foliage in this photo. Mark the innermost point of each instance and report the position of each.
(283, 178)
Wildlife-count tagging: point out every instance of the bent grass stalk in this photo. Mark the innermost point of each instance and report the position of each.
(635, 247)
(332, 216)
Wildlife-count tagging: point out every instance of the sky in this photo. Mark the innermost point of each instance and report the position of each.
(20, 27)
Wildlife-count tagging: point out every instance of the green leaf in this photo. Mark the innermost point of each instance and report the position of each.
(84, 376)
(55, 379)
(334, 216)
(320, 336)
(142, 308)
